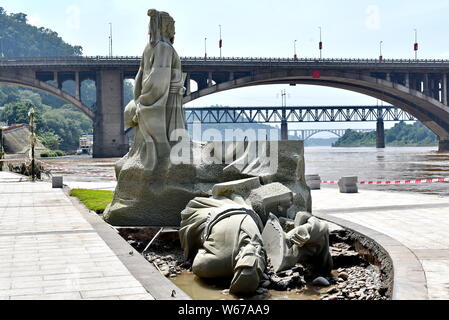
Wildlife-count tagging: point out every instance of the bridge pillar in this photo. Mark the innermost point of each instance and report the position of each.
(426, 84)
(380, 141)
(443, 145)
(209, 80)
(109, 126)
(444, 89)
(407, 80)
(188, 88)
(284, 130)
(56, 80)
(77, 85)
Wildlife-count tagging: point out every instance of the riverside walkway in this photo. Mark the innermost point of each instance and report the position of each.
(51, 249)
(412, 227)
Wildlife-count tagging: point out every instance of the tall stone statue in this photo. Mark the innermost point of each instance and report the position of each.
(147, 182)
(156, 110)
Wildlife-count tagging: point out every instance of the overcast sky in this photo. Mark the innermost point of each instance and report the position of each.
(256, 28)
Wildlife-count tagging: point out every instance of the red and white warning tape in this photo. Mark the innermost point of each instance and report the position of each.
(386, 182)
(389, 182)
(13, 160)
(74, 171)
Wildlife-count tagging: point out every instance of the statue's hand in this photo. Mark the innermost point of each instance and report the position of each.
(131, 118)
(299, 236)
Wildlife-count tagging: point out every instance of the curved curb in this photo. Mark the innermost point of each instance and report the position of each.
(409, 278)
(156, 284)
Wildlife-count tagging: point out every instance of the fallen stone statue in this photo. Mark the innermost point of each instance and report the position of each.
(233, 233)
(223, 238)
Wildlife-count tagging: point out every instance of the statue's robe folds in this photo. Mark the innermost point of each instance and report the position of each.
(150, 191)
(157, 111)
(223, 238)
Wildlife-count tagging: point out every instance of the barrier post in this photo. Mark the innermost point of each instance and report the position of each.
(33, 142)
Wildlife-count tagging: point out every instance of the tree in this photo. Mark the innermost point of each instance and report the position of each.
(17, 113)
(401, 134)
(21, 39)
(50, 140)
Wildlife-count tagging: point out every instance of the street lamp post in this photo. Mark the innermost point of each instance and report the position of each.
(110, 39)
(320, 46)
(31, 115)
(205, 48)
(380, 47)
(295, 56)
(416, 46)
(284, 123)
(221, 43)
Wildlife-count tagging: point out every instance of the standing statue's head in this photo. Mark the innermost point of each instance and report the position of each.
(162, 27)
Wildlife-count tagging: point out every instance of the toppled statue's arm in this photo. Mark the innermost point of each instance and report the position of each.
(300, 235)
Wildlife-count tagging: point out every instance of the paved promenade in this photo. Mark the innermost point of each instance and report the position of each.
(417, 221)
(48, 250)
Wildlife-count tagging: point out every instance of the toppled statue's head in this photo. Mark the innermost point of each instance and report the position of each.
(162, 26)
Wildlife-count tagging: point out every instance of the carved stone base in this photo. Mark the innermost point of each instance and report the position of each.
(157, 197)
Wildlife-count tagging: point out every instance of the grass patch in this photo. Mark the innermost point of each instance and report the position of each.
(95, 200)
(53, 154)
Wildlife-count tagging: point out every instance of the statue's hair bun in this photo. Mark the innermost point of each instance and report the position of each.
(152, 12)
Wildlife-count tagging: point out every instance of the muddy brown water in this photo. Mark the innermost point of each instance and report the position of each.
(199, 289)
(392, 163)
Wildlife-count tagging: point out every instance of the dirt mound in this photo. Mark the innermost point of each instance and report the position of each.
(16, 140)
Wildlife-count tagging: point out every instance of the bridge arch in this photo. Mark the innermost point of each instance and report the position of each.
(306, 134)
(431, 112)
(22, 81)
(334, 132)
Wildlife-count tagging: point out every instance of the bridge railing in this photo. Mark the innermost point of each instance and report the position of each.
(20, 61)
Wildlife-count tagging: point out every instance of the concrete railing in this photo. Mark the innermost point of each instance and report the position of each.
(87, 60)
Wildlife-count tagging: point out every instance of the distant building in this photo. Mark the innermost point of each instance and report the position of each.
(86, 144)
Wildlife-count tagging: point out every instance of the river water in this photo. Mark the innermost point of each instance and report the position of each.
(393, 163)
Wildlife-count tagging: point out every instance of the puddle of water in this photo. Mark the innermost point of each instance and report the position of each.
(199, 289)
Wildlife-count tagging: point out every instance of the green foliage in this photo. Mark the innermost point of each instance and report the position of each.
(95, 200)
(50, 140)
(53, 154)
(17, 113)
(58, 125)
(401, 134)
(57, 128)
(20, 39)
(69, 124)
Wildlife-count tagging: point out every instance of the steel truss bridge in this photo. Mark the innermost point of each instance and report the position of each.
(306, 134)
(222, 115)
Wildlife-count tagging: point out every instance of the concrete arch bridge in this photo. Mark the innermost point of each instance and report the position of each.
(419, 87)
